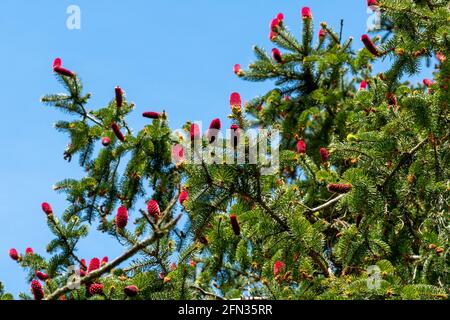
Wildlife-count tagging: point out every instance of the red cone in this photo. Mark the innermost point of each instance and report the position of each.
(119, 97)
(47, 208)
(57, 67)
(96, 289)
(151, 115)
(306, 13)
(153, 209)
(116, 129)
(235, 225)
(41, 276)
(131, 291)
(121, 217)
(184, 195)
(301, 147)
(235, 100)
(324, 155)
(14, 254)
(370, 46)
(339, 187)
(94, 264)
(36, 289)
(276, 55)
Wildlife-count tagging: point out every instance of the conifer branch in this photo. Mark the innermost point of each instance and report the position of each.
(157, 234)
(206, 293)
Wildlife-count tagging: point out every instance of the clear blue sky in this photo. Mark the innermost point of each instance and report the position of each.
(171, 54)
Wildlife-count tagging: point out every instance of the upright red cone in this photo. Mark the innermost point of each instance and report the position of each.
(184, 196)
(36, 290)
(104, 261)
(324, 155)
(94, 264)
(278, 267)
(119, 97)
(213, 128)
(29, 251)
(235, 100)
(96, 289)
(47, 208)
(237, 69)
(153, 209)
(194, 131)
(14, 254)
(235, 225)
(322, 34)
(276, 55)
(301, 147)
(363, 85)
(306, 13)
(121, 219)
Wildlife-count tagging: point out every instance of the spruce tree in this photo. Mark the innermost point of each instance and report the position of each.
(363, 183)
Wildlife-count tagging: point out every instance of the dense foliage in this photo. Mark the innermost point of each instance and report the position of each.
(363, 183)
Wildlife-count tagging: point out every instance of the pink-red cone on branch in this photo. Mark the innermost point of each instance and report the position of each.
(121, 219)
(104, 261)
(272, 35)
(324, 155)
(278, 267)
(277, 56)
(215, 124)
(306, 13)
(427, 82)
(363, 85)
(235, 225)
(58, 68)
(301, 147)
(194, 131)
(322, 34)
(280, 17)
(94, 264)
(119, 97)
(371, 3)
(184, 196)
(339, 187)
(131, 291)
(237, 69)
(96, 289)
(13, 254)
(29, 251)
(106, 141)
(274, 24)
(153, 208)
(235, 100)
(392, 99)
(116, 129)
(41, 276)
(36, 290)
(151, 115)
(47, 208)
(213, 128)
(370, 46)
